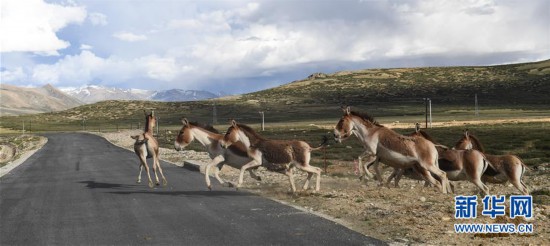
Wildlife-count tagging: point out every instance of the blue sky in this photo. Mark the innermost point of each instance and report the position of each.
(243, 46)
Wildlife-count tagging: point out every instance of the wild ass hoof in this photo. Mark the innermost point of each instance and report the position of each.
(209, 188)
(151, 184)
(259, 178)
(229, 184)
(139, 181)
(164, 182)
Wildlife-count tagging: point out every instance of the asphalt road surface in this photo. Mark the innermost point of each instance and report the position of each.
(80, 190)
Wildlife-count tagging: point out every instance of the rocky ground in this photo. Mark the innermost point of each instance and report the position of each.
(407, 215)
(410, 214)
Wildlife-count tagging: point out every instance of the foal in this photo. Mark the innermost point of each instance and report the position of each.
(291, 153)
(234, 156)
(146, 146)
(390, 147)
(458, 164)
(505, 167)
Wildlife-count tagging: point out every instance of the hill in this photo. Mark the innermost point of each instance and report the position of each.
(384, 92)
(527, 83)
(18, 100)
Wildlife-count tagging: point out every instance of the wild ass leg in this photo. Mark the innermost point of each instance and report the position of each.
(377, 171)
(253, 163)
(515, 175)
(155, 161)
(363, 168)
(428, 177)
(140, 169)
(397, 174)
(289, 172)
(144, 163)
(253, 174)
(475, 172)
(214, 162)
(311, 170)
(164, 181)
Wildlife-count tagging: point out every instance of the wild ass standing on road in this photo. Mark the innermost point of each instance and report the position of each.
(504, 167)
(390, 147)
(234, 156)
(458, 164)
(291, 153)
(146, 146)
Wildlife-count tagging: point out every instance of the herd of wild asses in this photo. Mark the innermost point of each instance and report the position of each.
(416, 155)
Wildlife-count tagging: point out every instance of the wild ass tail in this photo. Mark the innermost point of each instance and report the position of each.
(322, 145)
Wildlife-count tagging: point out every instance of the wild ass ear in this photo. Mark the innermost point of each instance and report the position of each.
(417, 126)
(184, 121)
(347, 111)
(466, 134)
(153, 113)
(233, 123)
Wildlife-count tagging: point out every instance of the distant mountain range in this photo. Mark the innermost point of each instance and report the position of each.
(20, 100)
(94, 93)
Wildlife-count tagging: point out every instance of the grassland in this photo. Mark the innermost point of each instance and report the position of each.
(517, 91)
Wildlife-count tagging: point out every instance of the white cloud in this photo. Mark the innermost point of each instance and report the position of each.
(202, 43)
(86, 47)
(97, 19)
(87, 67)
(129, 37)
(31, 26)
(13, 75)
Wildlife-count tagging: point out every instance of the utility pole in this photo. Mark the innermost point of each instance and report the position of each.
(476, 107)
(428, 104)
(214, 114)
(263, 122)
(23, 126)
(430, 111)
(30, 125)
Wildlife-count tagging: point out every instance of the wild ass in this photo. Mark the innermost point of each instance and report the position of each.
(458, 164)
(504, 167)
(290, 153)
(234, 156)
(146, 146)
(390, 147)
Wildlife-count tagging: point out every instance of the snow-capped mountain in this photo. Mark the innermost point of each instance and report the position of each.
(95, 93)
(175, 95)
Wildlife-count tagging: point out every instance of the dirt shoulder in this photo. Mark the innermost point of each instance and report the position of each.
(410, 214)
(15, 149)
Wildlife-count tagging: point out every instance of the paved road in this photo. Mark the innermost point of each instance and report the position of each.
(80, 189)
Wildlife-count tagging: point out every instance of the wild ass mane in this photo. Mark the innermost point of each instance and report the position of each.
(366, 117)
(476, 144)
(250, 132)
(207, 127)
(426, 136)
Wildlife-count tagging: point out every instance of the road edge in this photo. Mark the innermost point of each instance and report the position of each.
(15, 163)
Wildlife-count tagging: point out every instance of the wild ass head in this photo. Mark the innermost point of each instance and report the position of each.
(469, 141)
(189, 133)
(184, 137)
(150, 120)
(344, 127)
(239, 132)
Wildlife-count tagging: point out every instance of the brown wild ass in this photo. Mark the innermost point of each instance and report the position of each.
(391, 148)
(234, 156)
(146, 146)
(504, 167)
(458, 164)
(291, 153)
